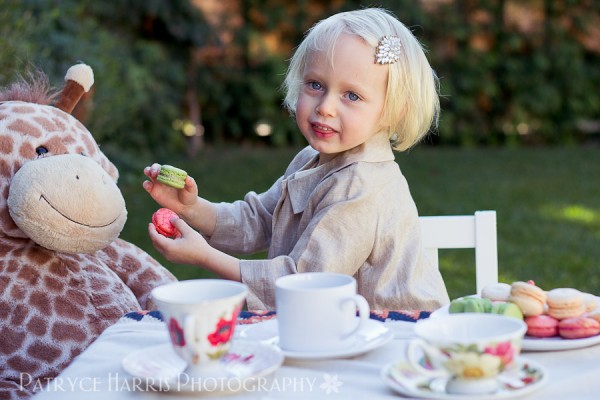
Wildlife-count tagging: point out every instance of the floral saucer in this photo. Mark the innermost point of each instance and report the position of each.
(373, 335)
(525, 377)
(160, 368)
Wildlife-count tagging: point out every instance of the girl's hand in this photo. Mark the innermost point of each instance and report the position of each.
(178, 200)
(191, 248)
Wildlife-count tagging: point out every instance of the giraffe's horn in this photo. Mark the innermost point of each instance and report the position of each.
(78, 80)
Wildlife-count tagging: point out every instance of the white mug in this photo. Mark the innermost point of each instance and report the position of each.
(316, 311)
(201, 315)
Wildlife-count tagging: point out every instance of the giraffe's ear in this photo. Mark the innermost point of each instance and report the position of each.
(78, 80)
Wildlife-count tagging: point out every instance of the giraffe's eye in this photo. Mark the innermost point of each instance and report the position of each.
(41, 151)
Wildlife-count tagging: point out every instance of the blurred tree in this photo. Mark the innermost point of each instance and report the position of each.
(139, 51)
(511, 71)
(515, 71)
(12, 29)
(179, 29)
(251, 69)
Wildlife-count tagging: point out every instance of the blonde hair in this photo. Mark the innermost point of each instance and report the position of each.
(412, 103)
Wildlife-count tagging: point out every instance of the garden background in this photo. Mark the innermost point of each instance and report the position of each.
(196, 83)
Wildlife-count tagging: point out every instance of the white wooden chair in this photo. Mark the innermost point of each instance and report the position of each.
(476, 231)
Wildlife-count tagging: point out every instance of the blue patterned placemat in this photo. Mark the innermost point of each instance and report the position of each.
(250, 317)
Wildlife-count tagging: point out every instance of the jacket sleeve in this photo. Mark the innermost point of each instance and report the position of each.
(245, 226)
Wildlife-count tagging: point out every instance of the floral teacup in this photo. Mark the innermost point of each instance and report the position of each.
(201, 315)
(470, 349)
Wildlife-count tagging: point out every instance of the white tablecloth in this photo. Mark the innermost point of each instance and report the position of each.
(97, 373)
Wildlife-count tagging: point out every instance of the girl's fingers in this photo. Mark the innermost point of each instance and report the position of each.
(148, 185)
(155, 169)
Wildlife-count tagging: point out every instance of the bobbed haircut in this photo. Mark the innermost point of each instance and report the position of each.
(412, 103)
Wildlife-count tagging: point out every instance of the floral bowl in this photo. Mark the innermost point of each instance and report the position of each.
(471, 348)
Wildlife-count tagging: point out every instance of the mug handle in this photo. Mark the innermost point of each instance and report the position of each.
(363, 312)
(414, 358)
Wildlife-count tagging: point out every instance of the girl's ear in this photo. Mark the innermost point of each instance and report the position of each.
(78, 80)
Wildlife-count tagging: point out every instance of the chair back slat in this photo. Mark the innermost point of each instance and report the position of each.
(476, 231)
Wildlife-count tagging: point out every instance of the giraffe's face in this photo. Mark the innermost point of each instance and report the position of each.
(36, 138)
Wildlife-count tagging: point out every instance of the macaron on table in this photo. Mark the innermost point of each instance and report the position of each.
(557, 319)
(541, 326)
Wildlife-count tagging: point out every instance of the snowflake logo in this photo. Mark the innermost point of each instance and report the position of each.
(330, 384)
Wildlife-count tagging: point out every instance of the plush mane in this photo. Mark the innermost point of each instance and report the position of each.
(33, 89)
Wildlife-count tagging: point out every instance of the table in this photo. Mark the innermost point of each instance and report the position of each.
(97, 372)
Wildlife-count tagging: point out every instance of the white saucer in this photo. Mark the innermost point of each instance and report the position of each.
(540, 344)
(372, 336)
(525, 377)
(162, 369)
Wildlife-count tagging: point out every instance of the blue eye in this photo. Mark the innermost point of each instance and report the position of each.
(315, 85)
(353, 96)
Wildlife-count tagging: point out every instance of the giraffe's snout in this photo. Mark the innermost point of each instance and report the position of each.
(67, 203)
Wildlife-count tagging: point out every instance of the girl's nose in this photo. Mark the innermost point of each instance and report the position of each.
(326, 107)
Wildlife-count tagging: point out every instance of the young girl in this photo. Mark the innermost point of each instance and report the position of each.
(359, 85)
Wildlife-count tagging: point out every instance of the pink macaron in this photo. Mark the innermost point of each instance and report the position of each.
(542, 326)
(162, 222)
(578, 327)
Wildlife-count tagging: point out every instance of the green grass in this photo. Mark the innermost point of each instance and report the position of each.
(547, 202)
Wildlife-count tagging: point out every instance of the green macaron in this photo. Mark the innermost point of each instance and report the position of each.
(470, 305)
(507, 309)
(172, 176)
(477, 305)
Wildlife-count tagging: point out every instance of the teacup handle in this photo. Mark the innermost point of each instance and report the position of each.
(431, 351)
(363, 312)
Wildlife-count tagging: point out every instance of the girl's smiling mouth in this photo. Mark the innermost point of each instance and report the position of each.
(322, 131)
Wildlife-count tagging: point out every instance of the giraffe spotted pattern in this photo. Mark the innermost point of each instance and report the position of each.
(54, 304)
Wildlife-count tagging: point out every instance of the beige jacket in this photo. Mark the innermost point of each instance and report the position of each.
(353, 215)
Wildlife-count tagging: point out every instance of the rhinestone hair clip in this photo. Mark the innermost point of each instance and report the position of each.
(388, 50)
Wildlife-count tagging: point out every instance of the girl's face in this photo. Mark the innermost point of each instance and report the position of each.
(341, 101)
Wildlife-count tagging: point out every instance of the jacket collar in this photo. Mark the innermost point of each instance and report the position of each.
(302, 183)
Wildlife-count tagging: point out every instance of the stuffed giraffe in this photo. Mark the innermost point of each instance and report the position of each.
(65, 275)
